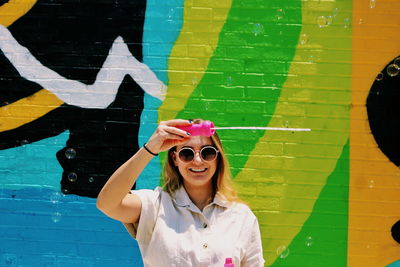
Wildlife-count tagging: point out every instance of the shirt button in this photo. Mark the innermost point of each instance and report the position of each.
(205, 245)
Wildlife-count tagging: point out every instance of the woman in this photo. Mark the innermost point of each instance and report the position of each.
(197, 219)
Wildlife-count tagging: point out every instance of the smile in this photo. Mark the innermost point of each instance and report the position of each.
(198, 170)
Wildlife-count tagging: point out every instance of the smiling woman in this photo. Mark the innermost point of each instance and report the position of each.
(197, 218)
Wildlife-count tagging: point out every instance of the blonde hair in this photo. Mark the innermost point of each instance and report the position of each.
(221, 180)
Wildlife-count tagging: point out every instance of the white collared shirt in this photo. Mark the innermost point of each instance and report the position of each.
(174, 232)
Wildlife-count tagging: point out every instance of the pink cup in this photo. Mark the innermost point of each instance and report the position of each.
(201, 129)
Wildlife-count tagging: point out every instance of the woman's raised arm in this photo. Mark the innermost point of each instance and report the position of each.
(114, 199)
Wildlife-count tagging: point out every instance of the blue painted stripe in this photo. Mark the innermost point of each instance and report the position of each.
(34, 164)
(162, 26)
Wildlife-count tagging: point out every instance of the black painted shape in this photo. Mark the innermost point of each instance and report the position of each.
(12, 86)
(383, 108)
(74, 37)
(396, 231)
(2, 2)
(103, 140)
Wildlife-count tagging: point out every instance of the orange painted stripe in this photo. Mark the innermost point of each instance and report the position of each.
(374, 181)
(27, 109)
(13, 10)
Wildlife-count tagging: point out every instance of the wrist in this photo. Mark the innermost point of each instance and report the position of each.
(148, 150)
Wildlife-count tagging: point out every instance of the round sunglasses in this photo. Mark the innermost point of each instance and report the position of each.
(207, 153)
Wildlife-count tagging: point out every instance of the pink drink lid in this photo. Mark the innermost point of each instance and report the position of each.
(228, 262)
(206, 128)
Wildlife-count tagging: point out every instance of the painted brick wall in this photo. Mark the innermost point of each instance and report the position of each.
(83, 85)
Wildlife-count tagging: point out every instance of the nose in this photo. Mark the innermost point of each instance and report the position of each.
(197, 158)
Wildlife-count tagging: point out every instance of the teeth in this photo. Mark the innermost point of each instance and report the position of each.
(198, 170)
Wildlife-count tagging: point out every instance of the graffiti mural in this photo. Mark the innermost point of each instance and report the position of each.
(84, 83)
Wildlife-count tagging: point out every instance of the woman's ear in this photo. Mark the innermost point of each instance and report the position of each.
(173, 156)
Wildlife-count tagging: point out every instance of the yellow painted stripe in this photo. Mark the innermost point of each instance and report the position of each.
(30, 108)
(374, 180)
(27, 109)
(13, 10)
(190, 56)
(282, 185)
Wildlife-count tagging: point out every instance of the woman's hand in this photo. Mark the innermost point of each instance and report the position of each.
(167, 135)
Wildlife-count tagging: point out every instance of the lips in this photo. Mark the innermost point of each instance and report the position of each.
(198, 170)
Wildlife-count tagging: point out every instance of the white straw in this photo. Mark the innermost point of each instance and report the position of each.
(263, 128)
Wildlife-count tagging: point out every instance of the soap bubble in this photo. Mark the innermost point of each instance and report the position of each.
(70, 153)
(24, 142)
(207, 106)
(282, 252)
(55, 197)
(371, 184)
(91, 179)
(229, 81)
(329, 19)
(171, 13)
(379, 77)
(309, 241)
(372, 3)
(56, 217)
(280, 14)
(311, 58)
(347, 22)
(258, 29)
(9, 259)
(397, 61)
(286, 124)
(324, 21)
(393, 70)
(72, 177)
(303, 39)
(335, 12)
(65, 191)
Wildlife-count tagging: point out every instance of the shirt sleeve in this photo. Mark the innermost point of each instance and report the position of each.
(143, 230)
(254, 252)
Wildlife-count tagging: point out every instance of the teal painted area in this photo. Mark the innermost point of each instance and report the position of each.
(394, 264)
(33, 164)
(41, 227)
(249, 67)
(161, 29)
(323, 238)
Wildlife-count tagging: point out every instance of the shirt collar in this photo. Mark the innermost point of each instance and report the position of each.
(182, 199)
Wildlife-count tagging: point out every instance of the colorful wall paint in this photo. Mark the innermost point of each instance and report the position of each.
(83, 85)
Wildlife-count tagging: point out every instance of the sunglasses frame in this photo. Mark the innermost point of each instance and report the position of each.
(195, 152)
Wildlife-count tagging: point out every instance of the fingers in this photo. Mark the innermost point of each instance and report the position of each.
(174, 136)
(176, 122)
(168, 135)
(176, 131)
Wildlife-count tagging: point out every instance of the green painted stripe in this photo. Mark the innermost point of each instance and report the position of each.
(283, 183)
(245, 74)
(322, 240)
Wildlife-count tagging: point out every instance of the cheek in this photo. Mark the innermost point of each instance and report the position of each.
(181, 168)
(214, 166)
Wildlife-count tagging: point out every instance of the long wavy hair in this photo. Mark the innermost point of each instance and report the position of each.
(221, 180)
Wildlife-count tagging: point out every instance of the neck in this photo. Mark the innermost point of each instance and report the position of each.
(200, 196)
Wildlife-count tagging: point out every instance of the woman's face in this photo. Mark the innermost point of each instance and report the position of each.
(198, 172)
